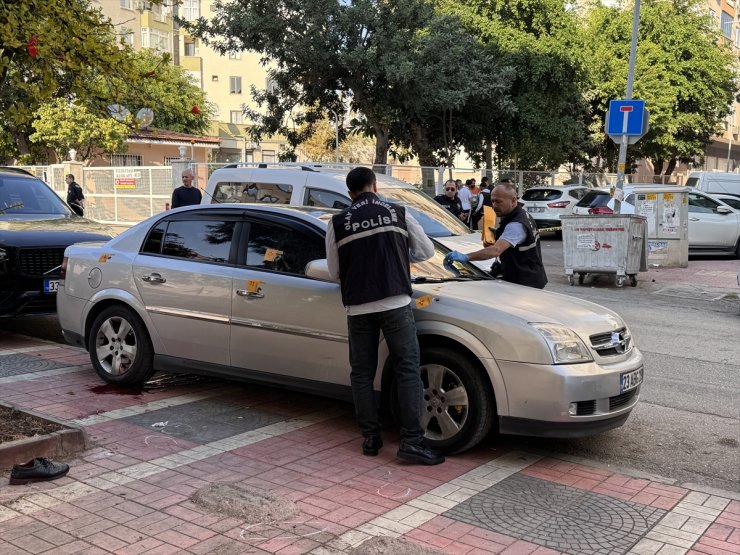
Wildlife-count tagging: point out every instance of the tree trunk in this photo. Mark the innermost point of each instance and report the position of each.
(421, 146)
(381, 145)
(671, 166)
(488, 156)
(658, 166)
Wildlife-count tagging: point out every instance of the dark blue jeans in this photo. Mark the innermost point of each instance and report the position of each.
(399, 330)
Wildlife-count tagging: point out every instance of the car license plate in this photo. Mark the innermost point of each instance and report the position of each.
(534, 209)
(51, 285)
(630, 380)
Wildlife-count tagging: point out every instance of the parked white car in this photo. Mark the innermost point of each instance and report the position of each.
(547, 204)
(729, 200)
(242, 291)
(314, 185)
(727, 183)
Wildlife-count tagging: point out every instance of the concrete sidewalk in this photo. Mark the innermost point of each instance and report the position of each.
(151, 450)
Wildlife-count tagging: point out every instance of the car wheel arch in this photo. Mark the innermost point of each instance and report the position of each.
(105, 299)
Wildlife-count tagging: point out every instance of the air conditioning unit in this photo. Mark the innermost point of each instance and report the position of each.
(251, 146)
(140, 5)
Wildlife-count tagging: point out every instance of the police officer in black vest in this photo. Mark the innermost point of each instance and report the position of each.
(517, 241)
(368, 248)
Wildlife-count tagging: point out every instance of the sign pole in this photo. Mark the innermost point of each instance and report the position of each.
(621, 163)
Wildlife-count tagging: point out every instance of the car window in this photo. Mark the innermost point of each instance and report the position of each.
(433, 218)
(22, 195)
(630, 199)
(692, 181)
(592, 199)
(576, 193)
(252, 192)
(734, 202)
(203, 240)
(325, 199)
(153, 243)
(541, 194)
(282, 249)
(701, 204)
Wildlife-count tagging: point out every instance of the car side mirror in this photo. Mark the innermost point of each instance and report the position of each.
(723, 210)
(319, 269)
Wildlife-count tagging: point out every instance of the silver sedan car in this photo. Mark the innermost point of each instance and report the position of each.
(243, 291)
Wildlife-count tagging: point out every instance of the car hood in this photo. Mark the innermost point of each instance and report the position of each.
(487, 302)
(46, 230)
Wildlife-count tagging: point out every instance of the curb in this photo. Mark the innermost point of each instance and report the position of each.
(67, 441)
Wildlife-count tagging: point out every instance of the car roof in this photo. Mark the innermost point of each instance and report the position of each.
(339, 174)
(307, 213)
(16, 171)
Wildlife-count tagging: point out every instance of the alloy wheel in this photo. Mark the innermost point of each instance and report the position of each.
(445, 405)
(116, 345)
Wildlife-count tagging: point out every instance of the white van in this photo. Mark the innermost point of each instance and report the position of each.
(715, 182)
(314, 185)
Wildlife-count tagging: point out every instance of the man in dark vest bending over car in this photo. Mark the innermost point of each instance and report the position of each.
(368, 249)
(517, 241)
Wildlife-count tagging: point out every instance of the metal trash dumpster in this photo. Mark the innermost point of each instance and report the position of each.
(605, 244)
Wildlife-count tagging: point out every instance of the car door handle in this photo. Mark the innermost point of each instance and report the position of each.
(250, 294)
(694, 219)
(153, 278)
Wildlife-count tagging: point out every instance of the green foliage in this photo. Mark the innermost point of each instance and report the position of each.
(683, 71)
(63, 126)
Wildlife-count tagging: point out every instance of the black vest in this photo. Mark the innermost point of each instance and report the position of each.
(487, 197)
(522, 264)
(372, 241)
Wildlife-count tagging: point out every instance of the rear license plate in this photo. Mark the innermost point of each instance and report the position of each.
(534, 209)
(630, 380)
(51, 285)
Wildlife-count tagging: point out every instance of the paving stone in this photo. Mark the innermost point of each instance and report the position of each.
(204, 421)
(17, 364)
(558, 517)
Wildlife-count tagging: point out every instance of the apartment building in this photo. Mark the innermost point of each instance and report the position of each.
(723, 153)
(226, 79)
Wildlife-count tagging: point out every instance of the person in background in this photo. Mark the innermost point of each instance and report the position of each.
(450, 200)
(75, 196)
(483, 198)
(517, 241)
(186, 194)
(369, 247)
(464, 195)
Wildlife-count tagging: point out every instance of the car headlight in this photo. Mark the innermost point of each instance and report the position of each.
(564, 344)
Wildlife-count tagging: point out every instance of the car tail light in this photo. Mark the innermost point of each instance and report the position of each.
(63, 269)
(600, 210)
(561, 204)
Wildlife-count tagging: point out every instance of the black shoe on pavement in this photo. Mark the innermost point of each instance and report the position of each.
(371, 446)
(37, 470)
(420, 454)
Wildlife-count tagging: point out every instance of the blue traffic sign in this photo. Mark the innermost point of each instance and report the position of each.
(626, 117)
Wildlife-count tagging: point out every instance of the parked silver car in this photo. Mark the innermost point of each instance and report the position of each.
(242, 291)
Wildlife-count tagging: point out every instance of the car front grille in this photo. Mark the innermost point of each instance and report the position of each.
(598, 406)
(605, 346)
(41, 262)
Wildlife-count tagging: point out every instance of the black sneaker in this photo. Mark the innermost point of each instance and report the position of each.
(371, 446)
(420, 454)
(37, 470)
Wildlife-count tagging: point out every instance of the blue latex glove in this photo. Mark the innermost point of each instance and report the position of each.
(455, 256)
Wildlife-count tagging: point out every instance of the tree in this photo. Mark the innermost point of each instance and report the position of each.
(355, 148)
(42, 44)
(368, 53)
(540, 46)
(63, 126)
(684, 71)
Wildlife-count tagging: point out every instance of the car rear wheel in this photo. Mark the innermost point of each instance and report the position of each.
(119, 346)
(458, 408)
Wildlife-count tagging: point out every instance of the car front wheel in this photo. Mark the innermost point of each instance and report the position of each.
(457, 406)
(119, 347)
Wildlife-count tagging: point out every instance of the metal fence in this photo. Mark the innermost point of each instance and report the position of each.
(130, 194)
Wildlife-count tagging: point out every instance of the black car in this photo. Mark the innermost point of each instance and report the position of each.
(35, 228)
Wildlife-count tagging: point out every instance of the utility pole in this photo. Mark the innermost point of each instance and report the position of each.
(619, 193)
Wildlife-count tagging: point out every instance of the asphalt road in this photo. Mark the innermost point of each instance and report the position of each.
(687, 425)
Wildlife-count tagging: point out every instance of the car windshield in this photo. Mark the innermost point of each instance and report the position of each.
(21, 195)
(594, 199)
(435, 269)
(541, 194)
(436, 220)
